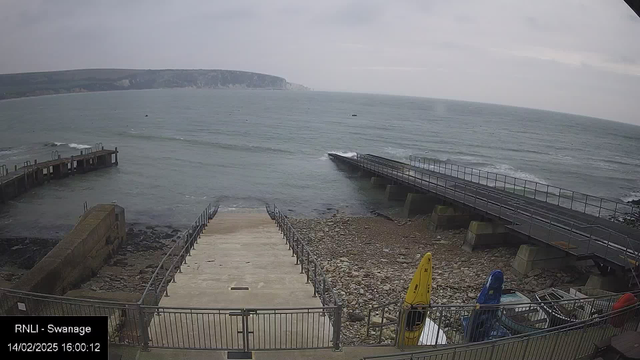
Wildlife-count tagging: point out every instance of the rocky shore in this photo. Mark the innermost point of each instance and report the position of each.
(133, 265)
(632, 220)
(371, 261)
(129, 270)
(19, 255)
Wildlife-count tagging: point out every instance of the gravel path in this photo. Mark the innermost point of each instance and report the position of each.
(371, 261)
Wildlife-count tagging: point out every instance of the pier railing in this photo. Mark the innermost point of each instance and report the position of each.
(174, 259)
(32, 174)
(309, 265)
(574, 200)
(456, 323)
(571, 341)
(568, 234)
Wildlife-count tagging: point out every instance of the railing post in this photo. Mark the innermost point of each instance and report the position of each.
(586, 201)
(572, 193)
(245, 330)
(439, 327)
(301, 258)
(402, 320)
(308, 267)
(142, 323)
(337, 327)
(324, 286)
(315, 279)
(600, 208)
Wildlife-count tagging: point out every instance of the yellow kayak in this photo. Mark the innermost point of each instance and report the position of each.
(418, 297)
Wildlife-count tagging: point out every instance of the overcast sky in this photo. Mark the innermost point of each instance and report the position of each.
(577, 56)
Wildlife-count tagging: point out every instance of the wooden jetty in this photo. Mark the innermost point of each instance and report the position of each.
(30, 175)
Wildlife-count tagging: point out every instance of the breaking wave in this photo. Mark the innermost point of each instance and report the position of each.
(633, 196)
(71, 145)
(79, 146)
(8, 150)
(341, 153)
(511, 171)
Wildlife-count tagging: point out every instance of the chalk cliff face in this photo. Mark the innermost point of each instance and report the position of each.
(61, 82)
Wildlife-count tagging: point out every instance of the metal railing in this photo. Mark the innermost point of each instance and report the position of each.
(567, 234)
(508, 319)
(570, 342)
(574, 200)
(125, 321)
(309, 265)
(174, 258)
(243, 329)
(629, 259)
(192, 328)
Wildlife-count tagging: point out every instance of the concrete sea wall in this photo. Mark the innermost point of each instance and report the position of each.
(80, 254)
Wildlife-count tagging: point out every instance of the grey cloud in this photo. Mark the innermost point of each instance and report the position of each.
(355, 13)
(574, 56)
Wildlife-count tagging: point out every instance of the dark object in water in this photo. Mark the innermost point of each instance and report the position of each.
(145, 115)
(354, 114)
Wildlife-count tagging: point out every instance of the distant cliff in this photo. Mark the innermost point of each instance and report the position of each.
(87, 80)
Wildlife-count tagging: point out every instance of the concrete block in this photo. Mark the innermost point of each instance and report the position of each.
(448, 218)
(395, 192)
(609, 283)
(531, 257)
(416, 204)
(380, 181)
(484, 234)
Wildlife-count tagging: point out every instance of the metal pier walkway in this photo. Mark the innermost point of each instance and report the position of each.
(573, 222)
(30, 175)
